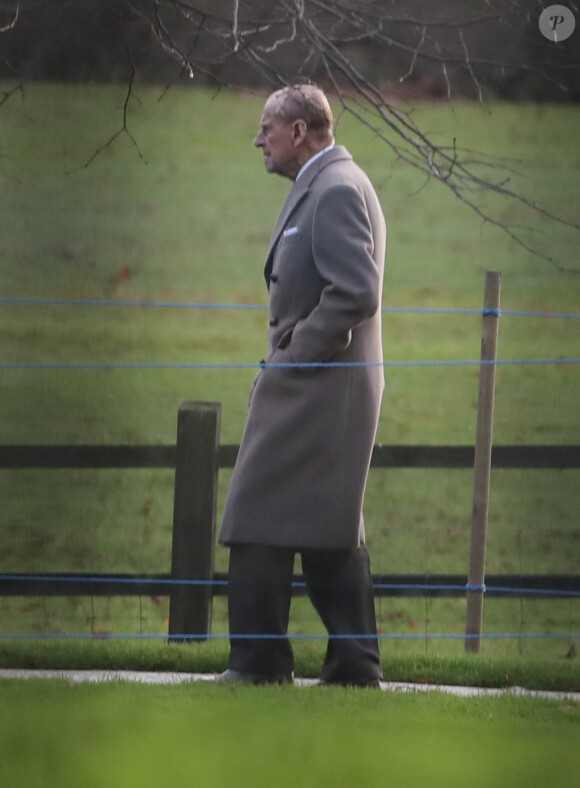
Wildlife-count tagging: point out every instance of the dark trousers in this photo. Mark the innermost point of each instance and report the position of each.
(339, 585)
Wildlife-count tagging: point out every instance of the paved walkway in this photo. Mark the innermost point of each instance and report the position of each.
(145, 677)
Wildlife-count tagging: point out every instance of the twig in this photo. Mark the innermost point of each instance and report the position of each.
(123, 130)
(12, 25)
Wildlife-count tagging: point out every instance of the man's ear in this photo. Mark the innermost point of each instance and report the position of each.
(299, 131)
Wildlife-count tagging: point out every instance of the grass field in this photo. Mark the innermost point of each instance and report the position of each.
(61, 735)
(190, 222)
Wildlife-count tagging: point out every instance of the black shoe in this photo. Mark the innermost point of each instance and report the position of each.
(364, 683)
(237, 677)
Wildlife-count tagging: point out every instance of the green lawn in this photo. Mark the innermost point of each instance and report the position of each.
(190, 222)
(62, 735)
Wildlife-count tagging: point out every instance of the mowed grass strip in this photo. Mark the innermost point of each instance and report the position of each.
(532, 672)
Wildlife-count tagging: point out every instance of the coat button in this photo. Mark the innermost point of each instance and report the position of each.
(274, 278)
(274, 322)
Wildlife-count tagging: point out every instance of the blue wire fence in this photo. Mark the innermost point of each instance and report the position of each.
(88, 365)
(219, 586)
(155, 583)
(206, 305)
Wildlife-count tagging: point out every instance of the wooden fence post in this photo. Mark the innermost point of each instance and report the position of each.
(194, 516)
(482, 462)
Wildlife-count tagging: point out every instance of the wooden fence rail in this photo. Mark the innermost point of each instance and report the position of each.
(196, 459)
(392, 456)
(407, 585)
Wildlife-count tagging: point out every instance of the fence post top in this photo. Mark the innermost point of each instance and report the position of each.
(200, 406)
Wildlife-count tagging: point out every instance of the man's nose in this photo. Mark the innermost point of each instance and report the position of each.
(259, 140)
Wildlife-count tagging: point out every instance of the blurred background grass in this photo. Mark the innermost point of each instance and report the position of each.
(121, 735)
(186, 216)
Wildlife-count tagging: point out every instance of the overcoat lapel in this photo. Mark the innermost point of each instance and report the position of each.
(297, 194)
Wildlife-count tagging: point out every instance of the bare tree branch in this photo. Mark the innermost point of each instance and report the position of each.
(123, 130)
(6, 95)
(11, 25)
(452, 48)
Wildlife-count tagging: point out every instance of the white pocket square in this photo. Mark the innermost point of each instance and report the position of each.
(290, 231)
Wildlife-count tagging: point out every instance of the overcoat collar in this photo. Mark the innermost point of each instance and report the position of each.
(297, 194)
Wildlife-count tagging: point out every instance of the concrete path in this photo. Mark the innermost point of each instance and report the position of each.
(144, 677)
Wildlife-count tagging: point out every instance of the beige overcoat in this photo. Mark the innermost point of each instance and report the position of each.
(300, 475)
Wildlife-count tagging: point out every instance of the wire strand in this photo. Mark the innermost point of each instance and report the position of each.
(96, 302)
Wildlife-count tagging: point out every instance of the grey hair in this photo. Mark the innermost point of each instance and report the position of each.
(307, 103)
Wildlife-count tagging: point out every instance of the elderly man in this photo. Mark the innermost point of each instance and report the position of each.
(299, 480)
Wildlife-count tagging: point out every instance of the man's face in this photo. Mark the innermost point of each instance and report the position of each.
(276, 138)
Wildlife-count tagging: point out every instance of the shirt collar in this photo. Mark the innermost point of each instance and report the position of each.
(312, 159)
